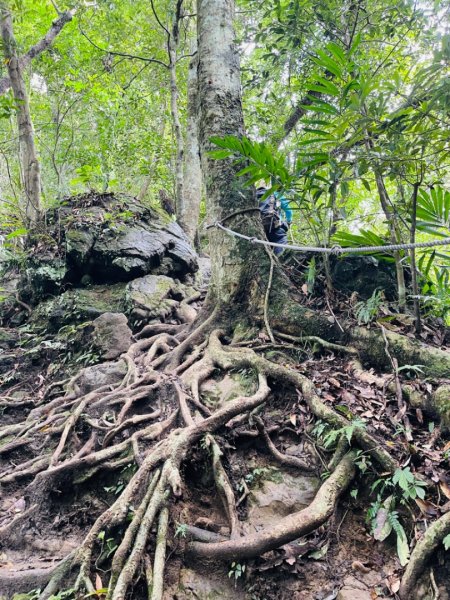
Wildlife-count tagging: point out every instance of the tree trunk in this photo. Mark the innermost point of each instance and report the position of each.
(412, 256)
(192, 186)
(153, 160)
(173, 47)
(29, 161)
(394, 236)
(236, 265)
(41, 46)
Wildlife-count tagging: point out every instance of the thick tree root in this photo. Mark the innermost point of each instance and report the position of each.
(165, 369)
(289, 528)
(425, 547)
(157, 584)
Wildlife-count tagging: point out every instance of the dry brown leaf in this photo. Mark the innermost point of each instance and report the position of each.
(293, 420)
(427, 508)
(334, 382)
(358, 566)
(445, 489)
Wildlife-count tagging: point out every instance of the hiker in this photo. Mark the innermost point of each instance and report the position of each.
(274, 228)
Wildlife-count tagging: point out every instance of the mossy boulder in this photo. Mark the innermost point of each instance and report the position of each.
(152, 297)
(80, 304)
(98, 239)
(441, 401)
(42, 279)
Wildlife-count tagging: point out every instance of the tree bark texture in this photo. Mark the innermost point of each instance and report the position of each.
(192, 186)
(30, 167)
(179, 144)
(236, 265)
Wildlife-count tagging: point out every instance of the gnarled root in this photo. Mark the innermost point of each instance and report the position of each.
(121, 432)
(289, 528)
(423, 551)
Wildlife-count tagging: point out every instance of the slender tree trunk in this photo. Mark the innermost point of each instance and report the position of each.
(173, 48)
(412, 255)
(153, 160)
(192, 186)
(237, 267)
(395, 238)
(41, 46)
(29, 161)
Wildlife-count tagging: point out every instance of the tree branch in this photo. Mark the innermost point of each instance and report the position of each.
(46, 42)
(124, 54)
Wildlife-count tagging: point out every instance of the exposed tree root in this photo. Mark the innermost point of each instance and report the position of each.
(224, 487)
(166, 366)
(289, 528)
(314, 339)
(421, 554)
(157, 586)
(283, 459)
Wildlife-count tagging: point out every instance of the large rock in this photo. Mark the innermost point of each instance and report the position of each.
(80, 304)
(42, 278)
(108, 373)
(105, 239)
(112, 336)
(119, 239)
(152, 297)
(277, 496)
(194, 585)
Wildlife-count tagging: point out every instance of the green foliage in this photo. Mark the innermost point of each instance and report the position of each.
(32, 595)
(363, 238)
(435, 295)
(237, 570)
(64, 595)
(257, 474)
(446, 542)
(261, 161)
(433, 211)
(401, 488)
(367, 310)
(411, 487)
(329, 436)
(181, 530)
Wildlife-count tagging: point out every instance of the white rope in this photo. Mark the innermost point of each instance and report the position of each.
(335, 249)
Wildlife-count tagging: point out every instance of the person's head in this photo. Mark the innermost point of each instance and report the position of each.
(261, 189)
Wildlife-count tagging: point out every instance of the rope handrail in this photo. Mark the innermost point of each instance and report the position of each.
(335, 249)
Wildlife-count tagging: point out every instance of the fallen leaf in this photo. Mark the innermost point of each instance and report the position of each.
(293, 420)
(445, 489)
(427, 508)
(348, 397)
(358, 566)
(334, 382)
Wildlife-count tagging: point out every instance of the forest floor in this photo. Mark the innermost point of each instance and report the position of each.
(339, 559)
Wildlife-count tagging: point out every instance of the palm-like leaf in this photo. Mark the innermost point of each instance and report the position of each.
(433, 211)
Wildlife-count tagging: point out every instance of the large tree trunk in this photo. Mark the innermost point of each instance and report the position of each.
(237, 266)
(29, 161)
(192, 185)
